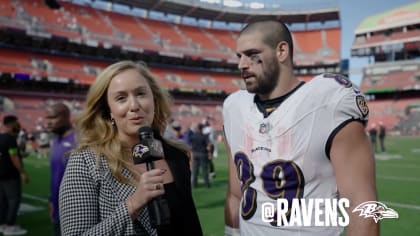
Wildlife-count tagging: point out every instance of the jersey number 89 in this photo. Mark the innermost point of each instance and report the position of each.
(280, 179)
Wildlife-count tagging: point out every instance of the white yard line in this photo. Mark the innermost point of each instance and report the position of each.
(32, 197)
(403, 205)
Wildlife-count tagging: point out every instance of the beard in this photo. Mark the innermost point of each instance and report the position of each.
(266, 82)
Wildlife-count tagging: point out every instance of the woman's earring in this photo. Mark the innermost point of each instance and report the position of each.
(112, 122)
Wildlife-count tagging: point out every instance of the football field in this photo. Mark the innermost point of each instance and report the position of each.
(398, 183)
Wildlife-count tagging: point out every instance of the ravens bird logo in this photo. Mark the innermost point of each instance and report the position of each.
(376, 210)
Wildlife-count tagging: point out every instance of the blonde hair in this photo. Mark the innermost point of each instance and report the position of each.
(94, 123)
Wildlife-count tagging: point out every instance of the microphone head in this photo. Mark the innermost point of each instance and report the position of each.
(141, 152)
(145, 130)
(145, 133)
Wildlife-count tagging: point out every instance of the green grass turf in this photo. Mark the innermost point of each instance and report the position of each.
(398, 181)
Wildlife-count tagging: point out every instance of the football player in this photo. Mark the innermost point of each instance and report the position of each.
(290, 139)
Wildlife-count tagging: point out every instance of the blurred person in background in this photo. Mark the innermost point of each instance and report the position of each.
(200, 146)
(382, 135)
(12, 172)
(43, 144)
(373, 135)
(177, 131)
(189, 133)
(21, 141)
(58, 119)
(209, 131)
(103, 192)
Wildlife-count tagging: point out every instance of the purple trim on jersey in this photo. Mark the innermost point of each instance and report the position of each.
(59, 153)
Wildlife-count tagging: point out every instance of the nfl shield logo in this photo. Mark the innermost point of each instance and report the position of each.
(264, 128)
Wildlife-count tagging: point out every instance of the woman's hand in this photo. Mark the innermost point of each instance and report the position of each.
(148, 187)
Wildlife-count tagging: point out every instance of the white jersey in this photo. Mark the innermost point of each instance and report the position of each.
(286, 155)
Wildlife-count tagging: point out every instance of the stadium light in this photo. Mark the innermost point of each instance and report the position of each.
(211, 1)
(256, 5)
(232, 3)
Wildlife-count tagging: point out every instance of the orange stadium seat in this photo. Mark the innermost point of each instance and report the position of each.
(398, 80)
(80, 70)
(334, 38)
(54, 22)
(389, 112)
(90, 18)
(380, 107)
(165, 32)
(62, 67)
(227, 38)
(198, 36)
(317, 46)
(401, 105)
(134, 30)
(26, 102)
(164, 78)
(7, 9)
(87, 23)
(16, 62)
(188, 114)
(309, 41)
(46, 16)
(128, 25)
(31, 108)
(227, 82)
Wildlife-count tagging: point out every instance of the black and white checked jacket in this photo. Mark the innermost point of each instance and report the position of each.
(92, 201)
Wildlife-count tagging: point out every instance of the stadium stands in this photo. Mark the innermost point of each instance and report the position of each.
(94, 26)
(317, 47)
(392, 80)
(397, 76)
(390, 112)
(90, 32)
(84, 71)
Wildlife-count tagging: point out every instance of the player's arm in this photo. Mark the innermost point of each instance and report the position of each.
(17, 162)
(233, 197)
(354, 167)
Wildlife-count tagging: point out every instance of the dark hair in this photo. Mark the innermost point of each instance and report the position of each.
(9, 119)
(201, 127)
(273, 32)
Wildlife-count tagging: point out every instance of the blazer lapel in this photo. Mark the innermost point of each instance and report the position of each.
(177, 164)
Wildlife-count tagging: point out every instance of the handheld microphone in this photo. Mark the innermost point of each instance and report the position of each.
(148, 150)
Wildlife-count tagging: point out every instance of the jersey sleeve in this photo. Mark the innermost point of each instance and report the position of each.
(350, 106)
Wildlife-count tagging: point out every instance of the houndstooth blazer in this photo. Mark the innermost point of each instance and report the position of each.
(92, 201)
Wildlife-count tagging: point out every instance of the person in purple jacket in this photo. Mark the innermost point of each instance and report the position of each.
(59, 124)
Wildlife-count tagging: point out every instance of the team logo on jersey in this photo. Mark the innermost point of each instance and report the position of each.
(264, 128)
(362, 105)
(376, 210)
